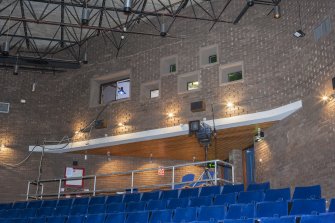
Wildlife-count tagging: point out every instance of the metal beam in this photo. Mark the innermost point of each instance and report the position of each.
(24, 24)
(39, 38)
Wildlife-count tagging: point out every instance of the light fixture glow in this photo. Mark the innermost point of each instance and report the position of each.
(120, 91)
(325, 98)
(120, 124)
(2, 146)
(230, 104)
(170, 115)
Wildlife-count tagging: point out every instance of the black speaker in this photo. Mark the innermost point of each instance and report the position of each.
(333, 80)
(198, 106)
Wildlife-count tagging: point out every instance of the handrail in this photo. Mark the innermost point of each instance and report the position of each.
(95, 191)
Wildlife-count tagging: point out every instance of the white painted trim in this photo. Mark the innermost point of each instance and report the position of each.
(223, 123)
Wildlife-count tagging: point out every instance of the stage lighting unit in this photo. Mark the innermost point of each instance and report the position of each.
(85, 14)
(259, 135)
(85, 60)
(250, 2)
(120, 91)
(163, 30)
(194, 126)
(204, 134)
(276, 12)
(5, 48)
(16, 69)
(299, 33)
(127, 6)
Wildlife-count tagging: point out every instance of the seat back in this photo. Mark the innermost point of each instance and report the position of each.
(287, 219)
(114, 199)
(212, 213)
(161, 216)
(6, 206)
(185, 214)
(272, 209)
(305, 207)
(156, 205)
(241, 211)
(135, 197)
(227, 189)
(97, 200)
(44, 212)
(96, 209)
(154, 195)
(27, 213)
(210, 191)
(225, 199)
(95, 218)
(239, 221)
(81, 201)
(61, 211)
(76, 219)
(260, 186)
(79, 210)
(200, 201)
(19, 205)
(283, 194)
(115, 218)
(34, 204)
(186, 178)
(138, 217)
(65, 202)
(177, 203)
(327, 218)
(309, 192)
(49, 203)
(56, 219)
(136, 206)
(250, 197)
(169, 194)
(115, 207)
(186, 193)
(37, 220)
(332, 205)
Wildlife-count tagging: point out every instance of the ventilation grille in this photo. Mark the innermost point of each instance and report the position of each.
(323, 29)
(4, 107)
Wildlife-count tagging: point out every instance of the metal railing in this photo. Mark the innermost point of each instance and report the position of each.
(217, 178)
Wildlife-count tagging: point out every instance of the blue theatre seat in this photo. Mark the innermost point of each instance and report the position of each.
(19, 205)
(283, 194)
(332, 205)
(27, 213)
(241, 211)
(187, 193)
(271, 209)
(95, 218)
(287, 219)
(210, 191)
(44, 212)
(186, 178)
(154, 195)
(49, 203)
(65, 202)
(97, 200)
(169, 194)
(115, 218)
(115, 207)
(114, 199)
(309, 192)
(225, 199)
(161, 216)
(250, 197)
(37, 220)
(227, 189)
(135, 197)
(177, 203)
(81, 201)
(76, 219)
(156, 205)
(34, 204)
(96, 209)
(16, 220)
(56, 219)
(212, 213)
(6, 206)
(136, 206)
(79, 210)
(185, 214)
(260, 186)
(200, 201)
(61, 211)
(239, 221)
(325, 218)
(306, 207)
(138, 217)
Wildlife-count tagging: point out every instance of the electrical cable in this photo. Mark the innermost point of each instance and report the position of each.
(21, 162)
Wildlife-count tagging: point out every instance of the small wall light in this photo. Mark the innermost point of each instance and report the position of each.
(230, 104)
(170, 115)
(2, 146)
(329, 98)
(120, 124)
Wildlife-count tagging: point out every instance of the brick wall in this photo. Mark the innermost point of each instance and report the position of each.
(279, 69)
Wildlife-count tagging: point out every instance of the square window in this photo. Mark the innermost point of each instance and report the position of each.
(212, 59)
(114, 91)
(192, 85)
(235, 76)
(154, 93)
(173, 68)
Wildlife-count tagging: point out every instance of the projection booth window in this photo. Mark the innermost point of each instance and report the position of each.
(113, 91)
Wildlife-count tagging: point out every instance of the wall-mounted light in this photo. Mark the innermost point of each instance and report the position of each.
(85, 157)
(328, 98)
(230, 104)
(170, 115)
(121, 124)
(259, 135)
(109, 157)
(150, 160)
(2, 146)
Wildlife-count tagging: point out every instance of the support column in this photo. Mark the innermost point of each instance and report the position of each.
(235, 157)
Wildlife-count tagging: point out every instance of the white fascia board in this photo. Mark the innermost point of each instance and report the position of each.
(223, 123)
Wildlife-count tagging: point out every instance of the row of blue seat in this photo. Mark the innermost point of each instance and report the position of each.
(234, 211)
(252, 195)
(204, 214)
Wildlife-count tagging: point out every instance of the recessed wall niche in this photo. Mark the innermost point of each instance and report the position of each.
(150, 90)
(231, 73)
(169, 65)
(209, 55)
(189, 82)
